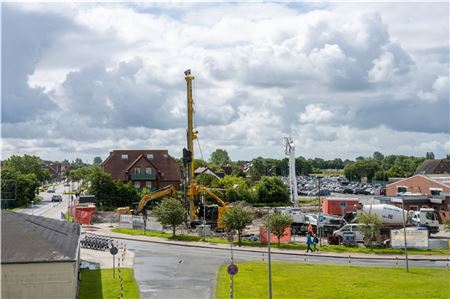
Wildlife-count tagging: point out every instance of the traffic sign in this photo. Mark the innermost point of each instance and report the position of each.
(232, 269)
(113, 250)
(230, 238)
(320, 218)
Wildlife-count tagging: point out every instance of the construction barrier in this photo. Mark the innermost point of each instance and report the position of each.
(286, 238)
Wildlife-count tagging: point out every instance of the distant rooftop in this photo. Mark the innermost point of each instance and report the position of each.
(434, 167)
(35, 239)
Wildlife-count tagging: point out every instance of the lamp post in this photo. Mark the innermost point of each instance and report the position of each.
(404, 234)
(268, 254)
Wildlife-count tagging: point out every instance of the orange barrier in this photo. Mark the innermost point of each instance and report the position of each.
(286, 238)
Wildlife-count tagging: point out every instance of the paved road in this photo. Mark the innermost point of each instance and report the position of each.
(170, 271)
(46, 207)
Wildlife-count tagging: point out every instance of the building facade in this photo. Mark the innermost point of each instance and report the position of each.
(153, 169)
(418, 185)
(40, 257)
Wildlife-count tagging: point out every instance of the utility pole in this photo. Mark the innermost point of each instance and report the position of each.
(404, 234)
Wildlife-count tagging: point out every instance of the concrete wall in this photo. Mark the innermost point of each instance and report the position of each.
(415, 184)
(40, 280)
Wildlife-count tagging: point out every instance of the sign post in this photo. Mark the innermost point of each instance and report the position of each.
(114, 251)
(232, 268)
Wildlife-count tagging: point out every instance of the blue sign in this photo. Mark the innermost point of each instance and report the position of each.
(232, 269)
(320, 218)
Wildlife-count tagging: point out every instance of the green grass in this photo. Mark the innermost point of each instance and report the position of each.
(99, 284)
(295, 280)
(331, 248)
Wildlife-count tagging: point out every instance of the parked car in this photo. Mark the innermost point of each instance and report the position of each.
(50, 190)
(56, 198)
(347, 191)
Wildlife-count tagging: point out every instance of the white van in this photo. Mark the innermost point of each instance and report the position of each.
(352, 227)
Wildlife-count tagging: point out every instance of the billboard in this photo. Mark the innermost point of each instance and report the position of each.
(416, 237)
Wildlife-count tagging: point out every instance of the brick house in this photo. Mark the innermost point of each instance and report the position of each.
(153, 169)
(420, 185)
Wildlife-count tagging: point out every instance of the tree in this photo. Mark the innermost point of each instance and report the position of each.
(277, 223)
(220, 157)
(207, 180)
(27, 164)
(97, 160)
(236, 219)
(237, 189)
(378, 156)
(170, 212)
(271, 190)
(429, 156)
(370, 225)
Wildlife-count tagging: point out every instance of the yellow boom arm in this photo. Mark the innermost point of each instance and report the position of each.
(166, 191)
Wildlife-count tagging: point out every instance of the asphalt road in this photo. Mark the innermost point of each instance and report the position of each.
(169, 271)
(46, 207)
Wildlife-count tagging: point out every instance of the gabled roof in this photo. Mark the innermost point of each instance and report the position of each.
(35, 239)
(434, 167)
(419, 175)
(137, 160)
(162, 162)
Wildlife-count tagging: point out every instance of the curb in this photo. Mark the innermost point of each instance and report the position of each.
(277, 251)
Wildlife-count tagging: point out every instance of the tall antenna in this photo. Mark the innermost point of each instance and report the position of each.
(289, 150)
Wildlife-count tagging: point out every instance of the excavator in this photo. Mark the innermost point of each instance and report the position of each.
(166, 191)
(212, 213)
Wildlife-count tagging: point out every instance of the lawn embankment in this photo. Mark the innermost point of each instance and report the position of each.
(99, 284)
(295, 280)
(332, 248)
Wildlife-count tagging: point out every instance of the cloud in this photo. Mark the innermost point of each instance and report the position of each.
(88, 78)
(315, 114)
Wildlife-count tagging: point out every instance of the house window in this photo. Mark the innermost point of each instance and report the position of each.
(414, 208)
(137, 170)
(137, 184)
(148, 184)
(343, 205)
(124, 157)
(401, 189)
(150, 156)
(148, 170)
(166, 156)
(424, 206)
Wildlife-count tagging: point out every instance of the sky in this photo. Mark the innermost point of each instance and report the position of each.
(342, 79)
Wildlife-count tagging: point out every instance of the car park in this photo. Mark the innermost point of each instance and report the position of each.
(56, 198)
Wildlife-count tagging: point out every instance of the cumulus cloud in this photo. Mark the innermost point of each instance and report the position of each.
(84, 79)
(315, 114)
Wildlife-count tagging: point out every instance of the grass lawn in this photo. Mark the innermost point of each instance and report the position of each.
(100, 284)
(295, 280)
(332, 248)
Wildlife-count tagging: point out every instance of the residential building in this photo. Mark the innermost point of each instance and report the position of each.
(153, 169)
(40, 257)
(432, 167)
(207, 170)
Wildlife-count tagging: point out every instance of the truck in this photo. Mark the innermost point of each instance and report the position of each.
(393, 217)
(301, 220)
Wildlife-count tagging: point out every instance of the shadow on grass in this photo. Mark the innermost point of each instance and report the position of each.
(90, 284)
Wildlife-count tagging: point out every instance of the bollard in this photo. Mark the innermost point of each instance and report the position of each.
(447, 262)
(349, 260)
(396, 261)
(263, 257)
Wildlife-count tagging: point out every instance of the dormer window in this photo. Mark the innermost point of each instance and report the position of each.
(150, 156)
(124, 157)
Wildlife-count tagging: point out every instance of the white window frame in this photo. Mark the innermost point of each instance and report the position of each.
(150, 156)
(150, 172)
(406, 187)
(124, 156)
(137, 184)
(137, 170)
(148, 184)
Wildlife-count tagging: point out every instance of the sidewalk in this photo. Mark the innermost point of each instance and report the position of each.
(105, 230)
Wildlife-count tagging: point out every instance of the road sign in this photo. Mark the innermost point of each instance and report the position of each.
(230, 238)
(113, 250)
(232, 269)
(320, 218)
